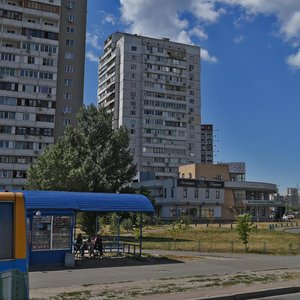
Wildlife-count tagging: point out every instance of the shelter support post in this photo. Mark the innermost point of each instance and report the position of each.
(118, 237)
(141, 232)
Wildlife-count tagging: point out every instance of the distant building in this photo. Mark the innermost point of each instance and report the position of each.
(152, 86)
(42, 57)
(292, 197)
(207, 145)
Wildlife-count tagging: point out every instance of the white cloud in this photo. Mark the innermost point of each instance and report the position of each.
(294, 60)
(198, 32)
(207, 57)
(107, 18)
(238, 39)
(91, 56)
(93, 40)
(167, 18)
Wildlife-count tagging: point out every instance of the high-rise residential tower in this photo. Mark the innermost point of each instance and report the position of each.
(42, 45)
(152, 86)
(207, 149)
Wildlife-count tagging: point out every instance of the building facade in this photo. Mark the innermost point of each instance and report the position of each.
(207, 145)
(42, 46)
(213, 192)
(152, 86)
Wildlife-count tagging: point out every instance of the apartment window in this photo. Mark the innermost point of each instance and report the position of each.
(8, 14)
(133, 67)
(70, 29)
(133, 84)
(217, 193)
(132, 131)
(69, 69)
(67, 95)
(30, 60)
(4, 144)
(25, 117)
(4, 174)
(132, 112)
(207, 193)
(7, 115)
(69, 55)
(133, 75)
(8, 100)
(71, 4)
(8, 57)
(196, 193)
(66, 122)
(49, 23)
(67, 109)
(70, 43)
(68, 82)
(172, 193)
(133, 48)
(48, 62)
(39, 33)
(71, 18)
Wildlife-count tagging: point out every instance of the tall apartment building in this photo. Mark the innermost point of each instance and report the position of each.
(207, 147)
(42, 46)
(152, 86)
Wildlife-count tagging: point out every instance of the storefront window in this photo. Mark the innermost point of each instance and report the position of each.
(51, 232)
(207, 212)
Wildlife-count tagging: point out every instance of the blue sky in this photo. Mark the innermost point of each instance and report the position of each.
(250, 71)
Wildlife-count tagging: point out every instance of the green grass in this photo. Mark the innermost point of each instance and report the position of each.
(215, 239)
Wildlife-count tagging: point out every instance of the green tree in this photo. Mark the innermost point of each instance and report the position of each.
(93, 157)
(244, 226)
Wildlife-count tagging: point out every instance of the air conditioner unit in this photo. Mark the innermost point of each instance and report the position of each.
(27, 51)
(49, 95)
(50, 53)
(29, 37)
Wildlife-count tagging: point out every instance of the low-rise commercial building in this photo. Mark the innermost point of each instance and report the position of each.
(213, 192)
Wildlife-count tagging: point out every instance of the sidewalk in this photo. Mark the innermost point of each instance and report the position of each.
(182, 275)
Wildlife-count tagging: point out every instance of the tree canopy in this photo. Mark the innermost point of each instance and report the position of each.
(93, 157)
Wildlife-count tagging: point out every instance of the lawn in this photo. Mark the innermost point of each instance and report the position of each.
(219, 239)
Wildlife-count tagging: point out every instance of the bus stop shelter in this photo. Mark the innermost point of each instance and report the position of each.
(51, 219)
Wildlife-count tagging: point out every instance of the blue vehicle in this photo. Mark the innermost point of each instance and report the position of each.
(13, 250)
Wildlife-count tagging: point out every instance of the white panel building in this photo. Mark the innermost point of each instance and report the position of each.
(152, 86)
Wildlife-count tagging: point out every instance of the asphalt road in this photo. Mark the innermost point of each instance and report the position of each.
(205, 264)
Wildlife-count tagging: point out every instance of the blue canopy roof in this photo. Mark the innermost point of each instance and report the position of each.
(102, 202)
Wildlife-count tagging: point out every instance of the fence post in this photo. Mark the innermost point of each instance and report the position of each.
(219, 225)
(231, 226)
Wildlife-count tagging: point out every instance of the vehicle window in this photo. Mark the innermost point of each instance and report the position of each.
(6, 225)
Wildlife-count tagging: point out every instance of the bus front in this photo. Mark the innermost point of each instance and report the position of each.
(13, 249)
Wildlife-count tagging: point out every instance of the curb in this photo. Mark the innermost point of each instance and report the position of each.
(256, 294)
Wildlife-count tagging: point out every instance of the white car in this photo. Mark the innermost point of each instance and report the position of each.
(287, 217)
